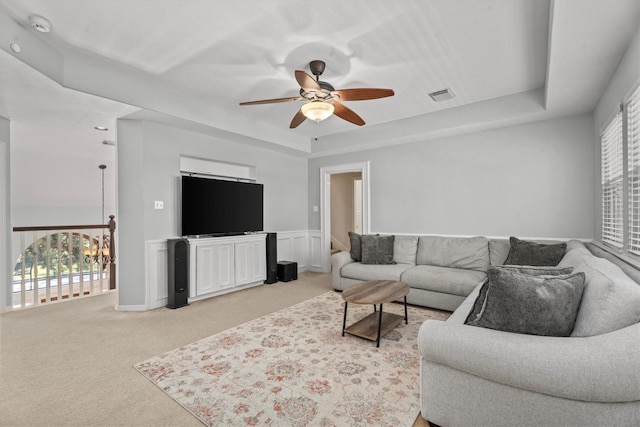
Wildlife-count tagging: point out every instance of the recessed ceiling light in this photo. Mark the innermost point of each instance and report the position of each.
(15, 48)
(39, 23)
(100, 128)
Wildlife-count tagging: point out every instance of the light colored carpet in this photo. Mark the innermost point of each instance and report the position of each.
(293, 368)
(70, 363)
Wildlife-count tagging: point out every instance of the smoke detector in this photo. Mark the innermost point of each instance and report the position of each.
(442, 95)
(39, 23)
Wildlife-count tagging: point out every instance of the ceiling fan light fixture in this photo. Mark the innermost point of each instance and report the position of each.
(317, 110)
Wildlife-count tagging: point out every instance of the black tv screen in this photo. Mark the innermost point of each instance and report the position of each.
(213, 206)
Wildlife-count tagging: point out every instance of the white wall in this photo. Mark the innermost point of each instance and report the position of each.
(55, 182)
(148, 164)
(624, 80)
(6, 267)
(531, 180)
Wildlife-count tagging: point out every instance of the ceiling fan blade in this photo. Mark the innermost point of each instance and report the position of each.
(362, 94)
(297, 119)
(347, 114)
(272, 101)
(306, 81)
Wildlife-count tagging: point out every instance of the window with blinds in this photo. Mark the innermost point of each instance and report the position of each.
(612, 182)
(632, 110)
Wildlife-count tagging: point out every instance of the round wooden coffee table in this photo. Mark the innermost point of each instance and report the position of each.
(375, 292)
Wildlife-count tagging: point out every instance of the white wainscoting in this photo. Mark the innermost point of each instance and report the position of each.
(294, 246)
(303, 247)
(318, 261)
(156, 274)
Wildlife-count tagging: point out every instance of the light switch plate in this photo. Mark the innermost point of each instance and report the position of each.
(158, 204)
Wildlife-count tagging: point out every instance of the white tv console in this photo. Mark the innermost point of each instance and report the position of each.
(218, 265)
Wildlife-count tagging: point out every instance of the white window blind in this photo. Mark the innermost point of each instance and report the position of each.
(633, 143)
(612, 182)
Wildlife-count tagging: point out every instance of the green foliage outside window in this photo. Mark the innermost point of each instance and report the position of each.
(59, 258)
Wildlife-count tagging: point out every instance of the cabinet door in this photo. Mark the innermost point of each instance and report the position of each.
(214, 267)
(250, 261)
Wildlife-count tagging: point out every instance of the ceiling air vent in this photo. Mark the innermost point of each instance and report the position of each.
(442, 95)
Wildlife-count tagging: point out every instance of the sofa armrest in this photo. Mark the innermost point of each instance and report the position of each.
(602, 368)
(339, 260)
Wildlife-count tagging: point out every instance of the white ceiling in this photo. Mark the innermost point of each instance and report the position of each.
(191, 62)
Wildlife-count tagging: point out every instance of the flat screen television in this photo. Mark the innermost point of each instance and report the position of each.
(218, 207)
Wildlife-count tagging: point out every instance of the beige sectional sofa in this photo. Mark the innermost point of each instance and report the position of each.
(479, 376)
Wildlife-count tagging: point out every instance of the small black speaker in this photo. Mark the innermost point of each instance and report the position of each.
(272, 258)
(287, 271)
(178, 272)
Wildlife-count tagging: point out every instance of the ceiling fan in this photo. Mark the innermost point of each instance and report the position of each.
(322, 99)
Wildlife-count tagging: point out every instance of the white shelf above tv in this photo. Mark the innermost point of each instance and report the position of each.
(214, 168)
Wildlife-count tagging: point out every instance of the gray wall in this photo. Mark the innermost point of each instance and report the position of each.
(531, 180)
(148, 163)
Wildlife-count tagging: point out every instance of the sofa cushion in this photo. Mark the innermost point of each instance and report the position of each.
(364, 272)
(471, 253)
(356, 246)
(377, 249)
(529, 270)
(611, 300)
(498, 250)
(523, 252)
(534, 305)
(447, 280)
(405, 249)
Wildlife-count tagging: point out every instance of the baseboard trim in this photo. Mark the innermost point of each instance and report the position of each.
(138, 307)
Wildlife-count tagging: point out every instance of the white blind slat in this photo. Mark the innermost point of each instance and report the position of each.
(612, 182)
(632, 110)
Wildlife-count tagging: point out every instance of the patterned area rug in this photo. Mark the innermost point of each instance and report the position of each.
(293, 368)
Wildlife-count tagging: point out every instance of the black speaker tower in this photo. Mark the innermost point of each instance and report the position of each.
(272, 258)
(178, 272)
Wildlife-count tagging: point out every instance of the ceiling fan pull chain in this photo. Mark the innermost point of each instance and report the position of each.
(316, 131)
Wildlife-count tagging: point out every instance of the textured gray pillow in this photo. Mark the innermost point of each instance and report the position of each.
(530, 270)
(523, 252)
(356, 246)
(534, 305)
(377, 249)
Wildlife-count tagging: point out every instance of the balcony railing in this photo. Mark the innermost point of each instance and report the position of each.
(58, 263)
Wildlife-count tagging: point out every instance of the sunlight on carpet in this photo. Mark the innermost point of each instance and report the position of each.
(293, 368)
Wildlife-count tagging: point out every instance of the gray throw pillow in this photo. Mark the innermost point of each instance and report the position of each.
(356, 246)
(523, 252)
(377, 249)
(530, 270)
(534, 305)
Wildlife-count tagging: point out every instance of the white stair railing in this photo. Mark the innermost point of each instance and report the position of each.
(58, 263)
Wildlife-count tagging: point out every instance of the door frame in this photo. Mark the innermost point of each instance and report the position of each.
(6, 236)
(325, 200)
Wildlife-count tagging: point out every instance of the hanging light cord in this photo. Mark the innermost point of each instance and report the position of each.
(102, 168)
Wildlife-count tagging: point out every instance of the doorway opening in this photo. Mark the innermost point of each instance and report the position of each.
(346, 209)
(345, 206)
